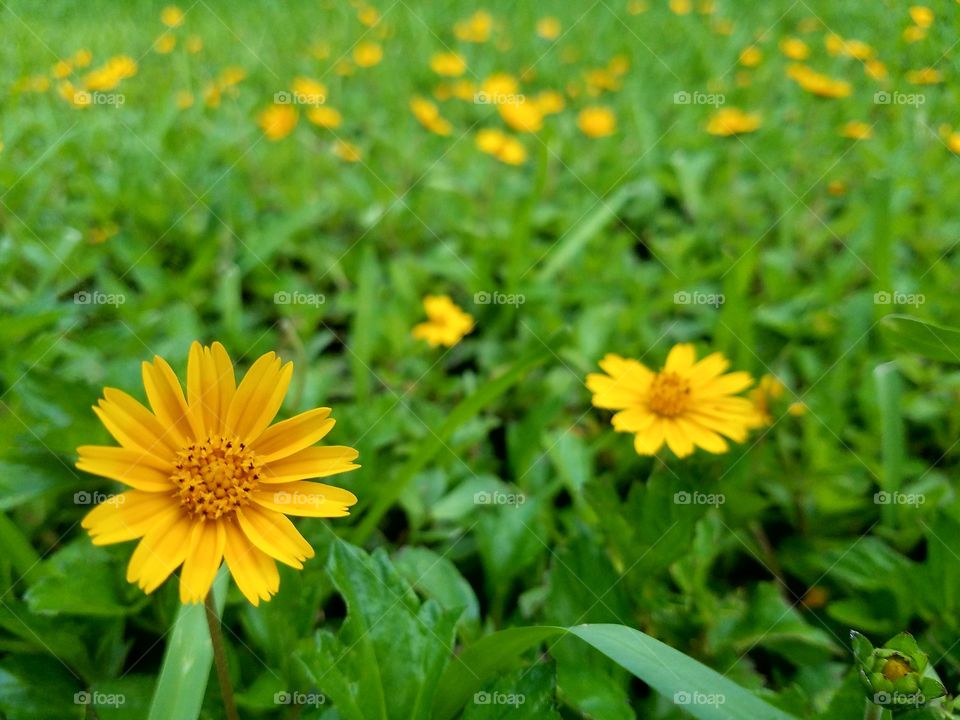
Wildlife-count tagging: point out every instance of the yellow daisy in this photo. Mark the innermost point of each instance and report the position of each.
(446, 324)
(687, 404)
(211, 478)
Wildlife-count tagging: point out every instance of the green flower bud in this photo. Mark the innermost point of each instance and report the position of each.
(898, 675)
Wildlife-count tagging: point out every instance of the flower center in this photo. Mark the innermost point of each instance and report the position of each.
(669, 394)
(895, 669)
(215, 477)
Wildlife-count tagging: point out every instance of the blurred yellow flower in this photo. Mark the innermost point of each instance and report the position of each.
(165, 43)
(619, 64)
(368, 16)
(597, 121)
(818, 83)
(505, 148)
(837, 188)
(231, 75)
(875, 69)
(109, 75)
(857, 130)
(767, 390)
(82, 58)
(732, 121)
(446, 323)
(499, 87)
(194, 44)
(687, 404)
(522, 115)
(921, 15)
(914, 33)
(953, 142)
(278, 121)
(637, 7)
(171, 16)
(681, 7)
(857, 49)
(347, 151)
(549, 28)
(601, 79)
(184, 99)
(925, 76)
(448, 64)
(308, 91)
(797, 409)
(550, 102)
(61, 69)
(428, 115)
(367, 54)
(325, 117)
(474, 29)
(463, 90)
(751, 56)
(99, 235)
(343, 68)
(794, 48)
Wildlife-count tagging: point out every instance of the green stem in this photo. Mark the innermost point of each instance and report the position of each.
(872, 712)
(220, 659)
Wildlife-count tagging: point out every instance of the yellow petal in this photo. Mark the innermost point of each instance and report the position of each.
(166, 399)
(127, 516)
(728, 384)
(160, 552)
(710, 367)
(311, 462)
(306, 499)
(287, 437)
(650, 440)
(132, 467)
(275, 535)
(636, 419)
(133, 426)
(681, 358)
(226, 382)
(677, 440)
(202, 561)
(702, 437)
(254, 571)
(258, 397)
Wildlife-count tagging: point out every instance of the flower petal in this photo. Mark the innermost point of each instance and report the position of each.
(258, 398)
(127, 516)
(311, 462)
(131, 467)
(133, 426)
(254, 571)
(160, 552)
(306, 499)
(203, 560)
(166, 399)
(274, 534)
(287, 437)
(677, 440)
(650, 440)
(681, 358)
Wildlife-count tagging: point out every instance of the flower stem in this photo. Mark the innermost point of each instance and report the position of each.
(220, 659)
(872, 712)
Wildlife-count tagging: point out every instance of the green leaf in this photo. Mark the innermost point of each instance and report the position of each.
(923, 338)
(525, 694)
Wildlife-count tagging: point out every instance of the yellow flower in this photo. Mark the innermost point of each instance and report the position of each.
(637, 7)
(857, 49)
(474, 29)
(818, 83)
(325, 117)
(446, 324)
(448, 64)
(464, 90)
(171, 16)
(687, 404)
(768, 389)
(165, 43)
(857, 130)
(99, 235)
(732, 121)
(914, 33)
(875, 69)
(278, 121)
(751, 56)
(231, 75)
(109, 75)
(953, 142)
(597, 122)
(61, 69)
(308, 91)
(82, 58)
(194, 44)
(837, 188)
(925, 76)
(681, 7)
(922, 16)
(367, 54)
(619, 64)
(794, 48)
(797, 409)
(184, 99)
(505, 148)
(522, 115)
(211, 478)
(429, 116)
(600, 79)
(347, 151)
(550, 102)
(499, 87)
(368, 16)
(548, 28)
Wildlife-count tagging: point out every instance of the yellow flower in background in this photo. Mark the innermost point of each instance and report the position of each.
(767, 390)
(475, 29)
(687, 404)
(619, 64)
(597, 122)
(499, 87)
(367, 54)
(82, 58)
(194, 44)
(550, 102)
(309, 91)
(600, 80)
(925, 76)
(325, 117)
(184, 99)
(344, 68)
(171, 16)
(751, 56)
(212, 478)
(681, 7)
(794, 48)
(347, 151)
(921, 15)
(428, 115)
(953, 142)
(914, 33)
(857, 49)
(857, 130)
(165, 43)
(464, 90)
(706, 7)
(446, 323)
(61, 69)
(99, 235)
(505, 148)
(521, 115)
(797, 409)
(549, 28)
(448, 64)
(278, 121)
(818, 83)
(109, 75)
(637, 7)
(875, 69)
(732, 121)
(368, 16)
(837, 188)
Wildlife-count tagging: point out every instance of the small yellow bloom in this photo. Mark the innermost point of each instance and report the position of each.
(475, 29)
(505, 148)
(522, 115)
(875, 69)
(212, 95)
(184, 99)
(751, 56)
(212, 478)
(550, 102)
(767, 390)
(597, 121)
(549, 28)
(856, 130)
(61, 69)
(794, 48)
(446, 323)
(914, 33)
(278, 121)
(600, 80)
(82, 58)
(428, 115)
(448, 64)
(499, 87)
(325, 117)
(797, 409)
(687, 404)
(857, 49)
(165, 43)
(463, 90)
(347, 151)
(308, 91)
(681, 7)
(343, 68)
(925, 76)
(109, 75)
(732, 121)
(194, 44)
(818, 83)
(637, 7)
(367, 54)
(837, 188)
(922, 16)
(619, 64)
(232, 75)
(368, 16)
(99, 235)
(171, 16)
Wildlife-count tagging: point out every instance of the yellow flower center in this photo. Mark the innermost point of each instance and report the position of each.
(669, 394)
(895, 669)
(215, 477)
